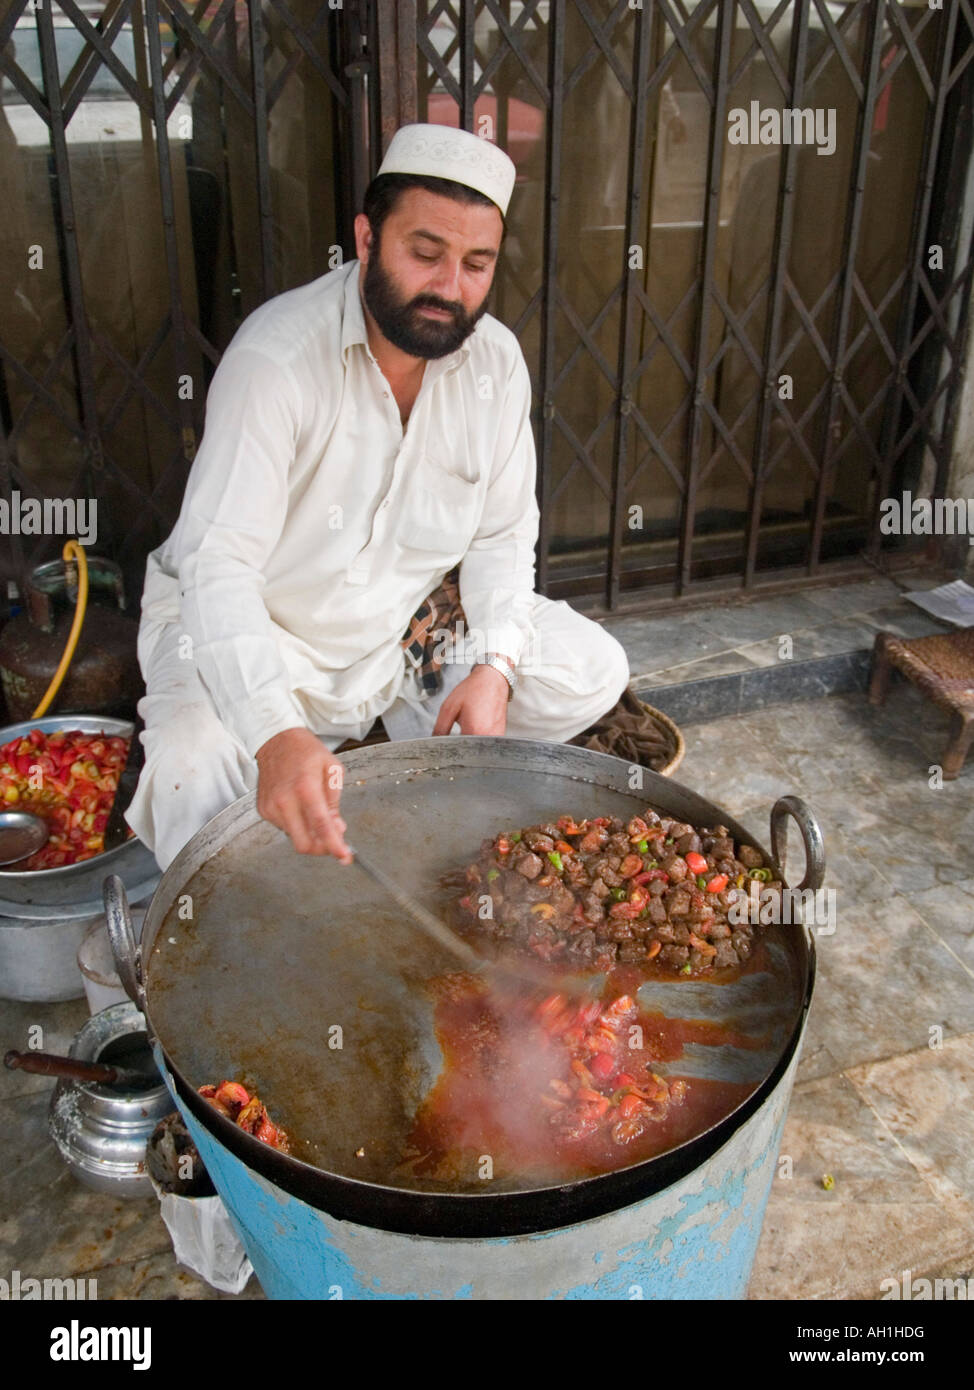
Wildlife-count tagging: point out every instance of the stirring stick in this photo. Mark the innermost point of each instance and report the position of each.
(441, 934)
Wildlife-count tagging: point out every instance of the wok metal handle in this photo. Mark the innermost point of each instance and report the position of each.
(128, 955)
(811, 834)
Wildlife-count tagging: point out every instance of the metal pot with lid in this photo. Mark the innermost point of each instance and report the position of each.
(254, 959)
(101, 1130)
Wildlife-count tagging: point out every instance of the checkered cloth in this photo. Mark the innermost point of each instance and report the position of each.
(423, 641)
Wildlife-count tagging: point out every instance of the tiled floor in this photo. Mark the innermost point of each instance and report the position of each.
(883, 1099)
(700, 644)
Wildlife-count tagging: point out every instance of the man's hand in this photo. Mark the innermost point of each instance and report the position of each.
(298, 790)
(478, 704)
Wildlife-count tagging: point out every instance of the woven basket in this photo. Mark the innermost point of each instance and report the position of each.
(679, 743)
(638, 732)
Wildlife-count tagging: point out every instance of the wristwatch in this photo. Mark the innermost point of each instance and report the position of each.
(502, 664)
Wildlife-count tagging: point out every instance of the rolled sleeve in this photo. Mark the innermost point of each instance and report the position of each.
(498, 571)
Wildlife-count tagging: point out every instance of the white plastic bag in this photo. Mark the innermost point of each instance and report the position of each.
(204, 1240)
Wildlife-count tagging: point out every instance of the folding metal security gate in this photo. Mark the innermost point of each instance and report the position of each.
(739, 350)
(739, 344)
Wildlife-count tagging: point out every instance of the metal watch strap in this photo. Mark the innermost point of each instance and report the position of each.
(500, 663)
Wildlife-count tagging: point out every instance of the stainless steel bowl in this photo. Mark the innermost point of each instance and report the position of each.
(75, 889)
(45, 913)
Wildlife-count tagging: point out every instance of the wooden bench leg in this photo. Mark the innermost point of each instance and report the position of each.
(882, 671)
(961, 735)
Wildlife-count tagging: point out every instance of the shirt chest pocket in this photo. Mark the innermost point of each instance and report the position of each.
(440, 511)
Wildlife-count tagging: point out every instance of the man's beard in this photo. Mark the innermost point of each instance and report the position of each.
(401, 322)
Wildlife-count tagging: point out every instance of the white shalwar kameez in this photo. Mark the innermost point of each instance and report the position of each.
(312, 528)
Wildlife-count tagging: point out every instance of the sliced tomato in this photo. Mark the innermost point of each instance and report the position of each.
(602, 1066)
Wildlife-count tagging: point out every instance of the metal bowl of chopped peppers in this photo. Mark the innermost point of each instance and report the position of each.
(65, 768)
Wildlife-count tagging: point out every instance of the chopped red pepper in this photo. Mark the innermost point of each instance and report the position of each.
(567, 826)
(696, 863)
(650, 874)
(717, 884)
(602, 1066)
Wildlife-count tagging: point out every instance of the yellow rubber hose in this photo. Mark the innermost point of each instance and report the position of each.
(72, 551)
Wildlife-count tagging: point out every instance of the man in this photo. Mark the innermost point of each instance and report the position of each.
(364, 435)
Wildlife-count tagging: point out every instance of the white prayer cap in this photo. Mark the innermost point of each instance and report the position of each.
(442, 152)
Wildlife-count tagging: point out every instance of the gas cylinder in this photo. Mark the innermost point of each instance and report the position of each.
(103, 677)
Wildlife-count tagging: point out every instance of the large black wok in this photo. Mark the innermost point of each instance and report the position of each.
(293, 974)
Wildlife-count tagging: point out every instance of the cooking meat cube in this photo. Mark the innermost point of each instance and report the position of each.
(537, 891)
(656, 887)
(676, 868)
(656, 911)
(545, 942)
(582, 948)
(593, 840)
(742, 944)
(730, 896)
(719, 930)
(610, 877)
(621, 929)
(677, 903)
(619, 843)
(665, 932)
(675, 956)
(535, 840)
(726, 955)
(630, 952)
(592, 905)
(700, 912)
(528, 865)
(750, 857)
(600, 888)
(515, 887)
(687, 844)
(681, 934)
